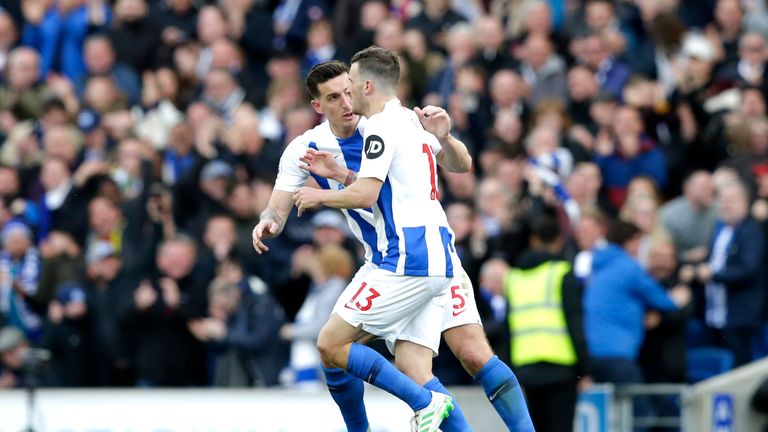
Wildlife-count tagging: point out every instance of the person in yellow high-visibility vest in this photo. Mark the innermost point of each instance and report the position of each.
(547, 344)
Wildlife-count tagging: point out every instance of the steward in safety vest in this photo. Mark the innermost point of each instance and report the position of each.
(547, 345)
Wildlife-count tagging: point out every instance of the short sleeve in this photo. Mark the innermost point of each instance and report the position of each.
(379, 148)
(289, 176)
(433, 142)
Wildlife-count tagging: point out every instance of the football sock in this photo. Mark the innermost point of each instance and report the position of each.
(372, 367)
(347, 391)
(505, 394)
(456, 422)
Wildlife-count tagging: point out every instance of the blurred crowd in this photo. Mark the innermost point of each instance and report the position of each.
(140, 140)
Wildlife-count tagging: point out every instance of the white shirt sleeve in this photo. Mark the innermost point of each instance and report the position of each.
(379, 149)
(289, 176)
(433, 142)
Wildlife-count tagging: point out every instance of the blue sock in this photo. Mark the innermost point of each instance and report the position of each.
(456, 422)
(504, 392)
(371, 367)
(347, 392)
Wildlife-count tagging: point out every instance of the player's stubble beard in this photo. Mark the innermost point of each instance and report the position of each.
(359, 104)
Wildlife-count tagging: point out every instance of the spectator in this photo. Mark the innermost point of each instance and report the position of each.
(67, 337)
(166, 353)
(582, 90)
(492, 54)
(460, 44)
(594, 51)
(433, 22)
(100, 59)
(618, 294)
(19, 273)
(330, 268)
(218, 244)
(62, 262)
(13, 348)
(23, 93)
(663, 354)
(320, 45)
(134, 36)
(9, 36)
(691, 217)
(642, 211)
(732, 276)
(630, 154)
(493, 307)
(107, 224)
(242, 330)
(292, 21)
(543, 71)
(549, 351)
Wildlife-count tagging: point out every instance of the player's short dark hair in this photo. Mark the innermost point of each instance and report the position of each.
(380, 64)
(322, 73)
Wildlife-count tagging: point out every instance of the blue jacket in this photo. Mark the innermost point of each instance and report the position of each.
(615, 300)
(618, 170)
(742, 274)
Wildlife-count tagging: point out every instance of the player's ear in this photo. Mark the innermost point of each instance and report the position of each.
(316, 106)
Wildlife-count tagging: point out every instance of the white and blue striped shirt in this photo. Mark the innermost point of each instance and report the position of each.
(406, 231)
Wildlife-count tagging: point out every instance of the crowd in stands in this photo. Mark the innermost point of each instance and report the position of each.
(140, 141)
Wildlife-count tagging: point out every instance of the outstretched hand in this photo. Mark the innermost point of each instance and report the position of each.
(322, 164)
(435, 120)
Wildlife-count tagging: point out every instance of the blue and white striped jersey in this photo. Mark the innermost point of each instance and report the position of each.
(393, 238)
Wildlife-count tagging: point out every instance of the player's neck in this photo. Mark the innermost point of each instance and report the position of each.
(376, 104)
(341, 131)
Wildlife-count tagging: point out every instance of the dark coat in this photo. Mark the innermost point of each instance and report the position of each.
(742, 274)
(252, 353)
(166, 354)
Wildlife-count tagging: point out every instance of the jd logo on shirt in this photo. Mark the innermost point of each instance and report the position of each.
(374, 147)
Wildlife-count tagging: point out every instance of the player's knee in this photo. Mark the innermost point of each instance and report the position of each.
(415, 371)
(470, 346)
(326, 346)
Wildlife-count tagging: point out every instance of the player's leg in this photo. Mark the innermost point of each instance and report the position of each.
(469, 345)
(337, 349)
(382, 304)
(416, 361)
(348, 392)
(465, 337)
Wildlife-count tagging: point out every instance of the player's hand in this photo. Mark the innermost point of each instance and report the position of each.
(263, 230)
(307, 198)
(435, 120)
(323, 164)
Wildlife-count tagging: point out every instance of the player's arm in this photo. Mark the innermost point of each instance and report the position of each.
(363, 193)
(272, 219)
(290, 178)
(454, 156)
(323, 164)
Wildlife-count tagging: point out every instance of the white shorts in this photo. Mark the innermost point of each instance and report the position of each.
(456, 307)
(460, 306)
(384, 304)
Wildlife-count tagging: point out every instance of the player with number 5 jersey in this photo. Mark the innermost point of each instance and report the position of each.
(332, 153)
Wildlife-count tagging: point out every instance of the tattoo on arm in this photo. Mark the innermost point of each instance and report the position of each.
(271, 214)
(351, 177)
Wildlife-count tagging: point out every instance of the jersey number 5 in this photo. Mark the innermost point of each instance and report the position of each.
(368, 300)
(434, 195)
